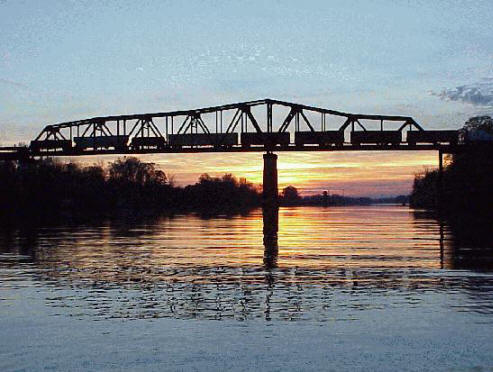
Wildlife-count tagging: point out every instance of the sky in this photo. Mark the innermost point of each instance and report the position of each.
(69, 60)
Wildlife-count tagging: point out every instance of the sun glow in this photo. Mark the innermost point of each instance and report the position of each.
(360, 173)
(357, 173)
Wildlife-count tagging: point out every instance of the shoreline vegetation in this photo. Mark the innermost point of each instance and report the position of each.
(126, 187)
(464, 190)
(462, 196)
(48, 189)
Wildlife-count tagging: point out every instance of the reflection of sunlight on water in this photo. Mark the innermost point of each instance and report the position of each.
(330, 262)
(359, 237)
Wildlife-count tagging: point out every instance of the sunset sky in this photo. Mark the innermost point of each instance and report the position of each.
(68, 60)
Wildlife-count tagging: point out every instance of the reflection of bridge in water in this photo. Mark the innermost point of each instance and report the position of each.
(142, 269)
(264, 126)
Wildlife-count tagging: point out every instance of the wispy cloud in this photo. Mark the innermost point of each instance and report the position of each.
(477, 94)
(13, 83)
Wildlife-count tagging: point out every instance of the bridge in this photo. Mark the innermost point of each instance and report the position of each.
(265, 125)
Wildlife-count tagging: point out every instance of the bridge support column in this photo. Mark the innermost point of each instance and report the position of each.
(270, 190)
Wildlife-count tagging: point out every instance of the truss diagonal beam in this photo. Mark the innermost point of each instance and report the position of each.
(198, 119)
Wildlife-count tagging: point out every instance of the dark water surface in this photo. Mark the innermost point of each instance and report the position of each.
(342, 288)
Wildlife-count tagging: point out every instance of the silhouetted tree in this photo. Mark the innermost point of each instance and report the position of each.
(478, 128)
(467, 181)
(213, 192)
(47, 188)
(135, 171)
(290, 195)
(424, 192)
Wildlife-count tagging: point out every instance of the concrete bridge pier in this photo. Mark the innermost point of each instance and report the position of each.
(270, 188)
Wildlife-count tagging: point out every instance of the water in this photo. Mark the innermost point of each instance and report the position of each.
(341, 288)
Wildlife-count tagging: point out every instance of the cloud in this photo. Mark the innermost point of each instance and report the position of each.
(477, 94)
(13, 83)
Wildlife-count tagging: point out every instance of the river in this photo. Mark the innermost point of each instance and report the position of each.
(347, 288)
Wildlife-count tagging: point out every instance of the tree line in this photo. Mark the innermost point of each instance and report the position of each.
(466, 183)
(47, 189)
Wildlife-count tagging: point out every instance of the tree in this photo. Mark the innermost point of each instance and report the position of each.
(133, 170)
(290, 194)
(466, 182)
(478, 128)
(484, 123)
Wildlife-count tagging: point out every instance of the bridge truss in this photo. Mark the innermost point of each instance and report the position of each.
(262, 125)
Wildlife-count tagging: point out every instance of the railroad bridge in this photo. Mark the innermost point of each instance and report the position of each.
(265, 125)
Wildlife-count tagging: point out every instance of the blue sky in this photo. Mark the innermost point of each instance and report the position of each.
(65, 60)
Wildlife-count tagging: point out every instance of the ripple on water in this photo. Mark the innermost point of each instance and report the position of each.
(329, 264)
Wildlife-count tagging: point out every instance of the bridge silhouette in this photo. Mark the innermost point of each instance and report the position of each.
(262, 125)
(265, 125)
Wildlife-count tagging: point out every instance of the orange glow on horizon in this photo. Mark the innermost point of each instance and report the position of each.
(357, 173)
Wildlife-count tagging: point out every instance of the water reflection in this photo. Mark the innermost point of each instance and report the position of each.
(466, 243)
(270, 218)
(314, 263)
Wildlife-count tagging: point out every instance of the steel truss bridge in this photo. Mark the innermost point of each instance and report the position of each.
(265, 125)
